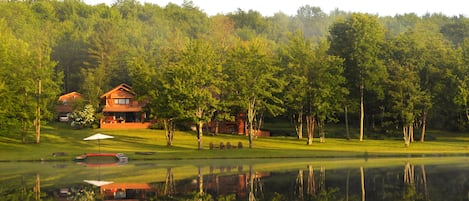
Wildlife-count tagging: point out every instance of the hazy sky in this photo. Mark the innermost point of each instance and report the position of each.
(289, 7)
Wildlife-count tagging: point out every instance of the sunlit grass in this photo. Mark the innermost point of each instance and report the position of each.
(62, 139)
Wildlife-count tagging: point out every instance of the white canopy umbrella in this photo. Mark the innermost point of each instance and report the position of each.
(98, 136)
(98, 182)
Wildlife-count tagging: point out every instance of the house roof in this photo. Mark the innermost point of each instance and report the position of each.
(70, 96)
(121, 87)
(64, 105)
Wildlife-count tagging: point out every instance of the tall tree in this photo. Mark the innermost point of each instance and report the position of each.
(41, 37)
(462, 75)
(46, 78)
(404, 91)
(30, 79)
(278, 28)
(436, 60)
(358, 40)
(312, 21)
(105, 45)
(222, 38)
(188, 19)
(195, 81)
(296, 57)
(150, 82)
(17, 108)
(315, 88)
(254, 83)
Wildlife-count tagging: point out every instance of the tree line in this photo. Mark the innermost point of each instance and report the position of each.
(383, 73)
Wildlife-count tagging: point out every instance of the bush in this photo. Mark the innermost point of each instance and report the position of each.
(83, 118)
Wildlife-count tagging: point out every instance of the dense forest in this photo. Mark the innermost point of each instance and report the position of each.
(389, 74)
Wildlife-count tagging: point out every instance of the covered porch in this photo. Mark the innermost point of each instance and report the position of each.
(124, 120)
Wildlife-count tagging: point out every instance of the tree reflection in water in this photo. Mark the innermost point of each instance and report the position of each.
(229, 183)
(411, 190)
(169, 187)
(362, 179)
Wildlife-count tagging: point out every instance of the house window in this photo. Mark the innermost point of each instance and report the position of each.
(122, 101)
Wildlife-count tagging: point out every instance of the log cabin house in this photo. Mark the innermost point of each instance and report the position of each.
(128, 191)
(122, 110)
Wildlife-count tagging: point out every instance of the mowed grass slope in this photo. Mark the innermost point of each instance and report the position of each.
(60, 138)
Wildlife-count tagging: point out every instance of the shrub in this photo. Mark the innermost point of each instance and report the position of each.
(83, 118)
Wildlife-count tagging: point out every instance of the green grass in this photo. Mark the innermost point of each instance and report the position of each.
(60, 138)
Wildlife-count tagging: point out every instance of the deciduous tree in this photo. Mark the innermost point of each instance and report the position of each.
(254, 84)
(195, 78)
(359, 41)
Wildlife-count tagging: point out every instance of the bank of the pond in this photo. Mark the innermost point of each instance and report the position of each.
(64, 144)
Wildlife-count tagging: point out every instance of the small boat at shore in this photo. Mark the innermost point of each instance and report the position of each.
(102, 158)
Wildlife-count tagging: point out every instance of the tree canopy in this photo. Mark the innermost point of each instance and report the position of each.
(390, 71)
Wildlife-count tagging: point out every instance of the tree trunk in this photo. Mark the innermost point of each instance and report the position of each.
(24, 122)
(322, 133)
(169, 187)
(200, 134)
(407, 132)
(310, 122)
(200, 181)
(411, 133)
(299, 125)
(362, 113)
(259, 121)
(346, 122)
(424, 178)
(251, 184)
(311, 185)
(37, 122)
(37, 187)
(251, 114)
(322, 179)
(362, 178)
(217, 127)
(251, 134)
(24, 131)
(169, 131)
(424, 126)
(409, 173)
(467, 114)
(347, 186)
(299, 183)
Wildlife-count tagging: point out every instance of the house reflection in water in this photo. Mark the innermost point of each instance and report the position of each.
(229, 181)
(127, 191)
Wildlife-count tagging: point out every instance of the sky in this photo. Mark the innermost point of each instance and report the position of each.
(289, 7)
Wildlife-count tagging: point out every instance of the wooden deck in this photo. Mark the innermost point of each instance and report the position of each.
(125, 125)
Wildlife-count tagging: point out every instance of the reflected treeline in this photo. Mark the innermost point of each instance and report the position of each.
(229, 183)
(415, 186)
(23, 191)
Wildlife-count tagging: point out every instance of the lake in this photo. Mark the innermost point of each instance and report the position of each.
(444, 178)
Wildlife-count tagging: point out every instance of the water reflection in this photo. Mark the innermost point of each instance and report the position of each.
(256, 181)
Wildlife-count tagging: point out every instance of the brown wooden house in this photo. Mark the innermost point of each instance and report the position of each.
(238, 126)
(65, 105)
(121, 110)
(128, 191)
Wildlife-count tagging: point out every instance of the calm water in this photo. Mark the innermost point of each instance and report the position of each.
(293, 179)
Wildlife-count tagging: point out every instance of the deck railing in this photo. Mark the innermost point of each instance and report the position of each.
(125, 125)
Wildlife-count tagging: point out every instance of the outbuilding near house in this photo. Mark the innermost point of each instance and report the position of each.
(65, 105)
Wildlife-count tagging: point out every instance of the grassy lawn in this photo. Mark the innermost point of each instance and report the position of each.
(60, 138)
